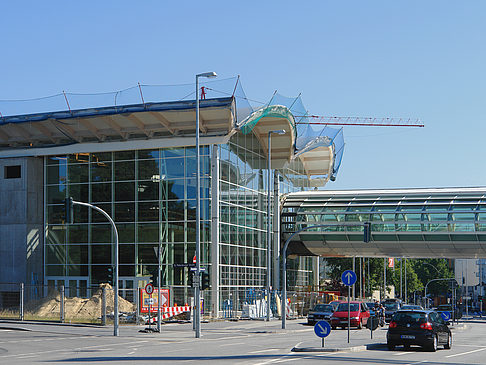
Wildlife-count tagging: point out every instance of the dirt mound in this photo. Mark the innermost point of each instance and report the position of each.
(78, 307)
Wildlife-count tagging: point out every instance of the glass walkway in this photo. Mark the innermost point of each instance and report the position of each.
(421, 223)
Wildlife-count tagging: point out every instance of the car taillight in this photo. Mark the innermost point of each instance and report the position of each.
(426, 326)
(393, 324)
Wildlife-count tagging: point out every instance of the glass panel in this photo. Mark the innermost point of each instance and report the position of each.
(101, 193)
(101, 156)
(125, 212)
(78, 192)
(101, 233)
(146, 254)
(173, 189)
(125, 170)
(125, 191)
(57, 174)
(77, 254)
(172, 168)
(101, 171)
(148, 154)
(56, 194)
(148, 232)
(127, 254)
(125, 155)
(173, 152)
(98, 217)
(77, 233)
(148, 211)
(78, 173)
(55, 214)
(148, 170)
(175, 210)
(148, 190)
(56, 254)
(176, 232)
(56, 270)
(101, 254)
(126, 232)
(56, 234)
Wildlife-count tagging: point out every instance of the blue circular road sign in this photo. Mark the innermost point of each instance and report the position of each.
(445, 316)
(348, 277)
(322, 329)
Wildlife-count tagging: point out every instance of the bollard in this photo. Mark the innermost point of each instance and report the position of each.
(103, 307)
(61, 314)
(21, 311)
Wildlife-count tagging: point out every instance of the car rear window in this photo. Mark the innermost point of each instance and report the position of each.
(391, 306)
(409, 317)
(343, 307)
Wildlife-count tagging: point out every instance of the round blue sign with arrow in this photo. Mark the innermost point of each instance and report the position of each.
(445, 315)
(348, 277)
(322, 329)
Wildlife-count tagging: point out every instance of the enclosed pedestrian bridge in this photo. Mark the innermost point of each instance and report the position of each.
(416, 223)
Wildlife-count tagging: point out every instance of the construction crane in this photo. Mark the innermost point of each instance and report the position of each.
(359, 121)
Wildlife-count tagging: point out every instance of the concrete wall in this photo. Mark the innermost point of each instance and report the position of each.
(21, 222)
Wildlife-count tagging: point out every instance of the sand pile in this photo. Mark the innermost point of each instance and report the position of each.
(78, 307)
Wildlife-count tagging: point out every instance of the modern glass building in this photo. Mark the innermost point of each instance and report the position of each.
(137, 162)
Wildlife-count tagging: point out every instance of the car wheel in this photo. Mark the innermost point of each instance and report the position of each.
(433, 345)
(333, 327)
(390, 346)
(360, 325)
(448, 345)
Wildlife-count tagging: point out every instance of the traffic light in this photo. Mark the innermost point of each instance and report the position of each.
(68, 210)
(190, 279)
(109, 275)
(205, 281)
(480, 298)
(367, 232)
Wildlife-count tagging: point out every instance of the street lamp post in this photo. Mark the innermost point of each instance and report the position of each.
(116, 319)
(197, 282)
(269, 192)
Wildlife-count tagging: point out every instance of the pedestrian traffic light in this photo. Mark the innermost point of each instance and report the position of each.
(68, 210)
(367, 232)
(480, 298)
(205, 281)
(190, 279)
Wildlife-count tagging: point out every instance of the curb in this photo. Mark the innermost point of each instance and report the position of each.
(14, 329)
(64, 324)
(329, 349)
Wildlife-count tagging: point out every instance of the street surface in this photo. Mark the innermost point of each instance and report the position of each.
(242, 342)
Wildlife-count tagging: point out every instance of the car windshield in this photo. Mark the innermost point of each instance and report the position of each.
(343, 307)
(391, 306)
(409, 317)
(323, 308)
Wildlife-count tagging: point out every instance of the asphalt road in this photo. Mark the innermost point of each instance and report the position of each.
(243, 342)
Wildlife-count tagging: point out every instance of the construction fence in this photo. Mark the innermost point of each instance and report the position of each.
(95, 305)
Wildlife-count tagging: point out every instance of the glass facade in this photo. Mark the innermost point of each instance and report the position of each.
(151, 195)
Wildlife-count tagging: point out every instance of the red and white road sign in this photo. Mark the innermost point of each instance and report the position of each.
(149, 288)
(145, 299)
(391, 262)
(194, 259)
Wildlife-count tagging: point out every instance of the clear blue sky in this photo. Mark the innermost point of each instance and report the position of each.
(417, 59)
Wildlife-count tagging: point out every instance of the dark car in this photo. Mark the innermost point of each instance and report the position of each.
(320, 312)
(418, 327)
(390, 309)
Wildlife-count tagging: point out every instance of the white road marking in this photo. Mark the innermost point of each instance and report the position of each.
(403, 353)
(467, 352)
(266, 350)
(232, 344)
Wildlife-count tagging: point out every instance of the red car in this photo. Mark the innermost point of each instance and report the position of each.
(359, 315)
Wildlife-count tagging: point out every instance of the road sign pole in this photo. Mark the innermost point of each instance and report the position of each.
(323, 341)
(150, 303)
(349, 311)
